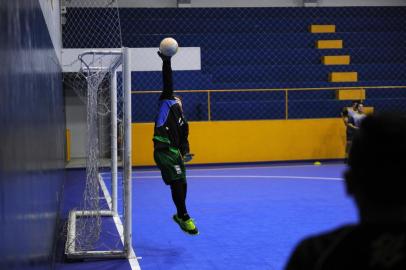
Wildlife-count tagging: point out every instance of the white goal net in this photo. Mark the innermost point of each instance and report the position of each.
(101, 78)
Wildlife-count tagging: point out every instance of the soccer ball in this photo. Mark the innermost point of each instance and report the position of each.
(168, 46)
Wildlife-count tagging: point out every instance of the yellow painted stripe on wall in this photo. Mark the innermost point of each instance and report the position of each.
(368, 110)
(329, 44)
(350, 94)
(335, 60)
(343, 77)
(68, 144)
(251, 141)
(318, 28)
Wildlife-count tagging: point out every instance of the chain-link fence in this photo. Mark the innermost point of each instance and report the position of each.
(263, 48)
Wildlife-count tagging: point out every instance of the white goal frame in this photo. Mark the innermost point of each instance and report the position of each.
(123, 59)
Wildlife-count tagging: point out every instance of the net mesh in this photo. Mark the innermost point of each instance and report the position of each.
(92, 83)
(266, 48)
(273, 48)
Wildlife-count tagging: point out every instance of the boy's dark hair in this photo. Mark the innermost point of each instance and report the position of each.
(377, 160)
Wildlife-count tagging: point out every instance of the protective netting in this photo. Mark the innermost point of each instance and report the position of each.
(93, 23)
(93, 83)
(269, 48)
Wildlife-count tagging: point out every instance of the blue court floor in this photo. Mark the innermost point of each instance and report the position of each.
(249, 217)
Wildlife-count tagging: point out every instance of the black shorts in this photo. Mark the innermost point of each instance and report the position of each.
(171, 164)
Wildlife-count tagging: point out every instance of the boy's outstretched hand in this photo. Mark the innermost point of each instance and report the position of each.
(163, 56)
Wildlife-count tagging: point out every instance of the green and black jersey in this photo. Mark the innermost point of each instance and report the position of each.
(171, 127)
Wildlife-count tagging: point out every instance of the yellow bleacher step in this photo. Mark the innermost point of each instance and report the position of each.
(343, 77)
(335, 60)
(350, 94)
(367, 110)
(329, 44)
(322, 28)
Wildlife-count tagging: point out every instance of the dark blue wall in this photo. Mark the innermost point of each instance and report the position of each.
(31, 137)
(253, 48)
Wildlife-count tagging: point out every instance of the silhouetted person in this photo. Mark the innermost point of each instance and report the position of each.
(375, 178)
(350, 129)
(353, 109)
(352, 118)
(358, 114)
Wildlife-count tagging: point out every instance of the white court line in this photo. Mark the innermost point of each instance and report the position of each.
(260, 167)
(240, 168)
(119, 225)
(251, 176)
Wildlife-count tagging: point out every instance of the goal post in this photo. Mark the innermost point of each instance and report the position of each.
(127, 151)
(95, 72)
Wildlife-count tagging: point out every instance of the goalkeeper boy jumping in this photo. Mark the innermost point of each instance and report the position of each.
(171, 147)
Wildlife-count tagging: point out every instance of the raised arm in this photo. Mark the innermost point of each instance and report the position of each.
(167, 92)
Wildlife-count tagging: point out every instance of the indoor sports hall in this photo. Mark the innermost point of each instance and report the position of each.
(262, 85)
